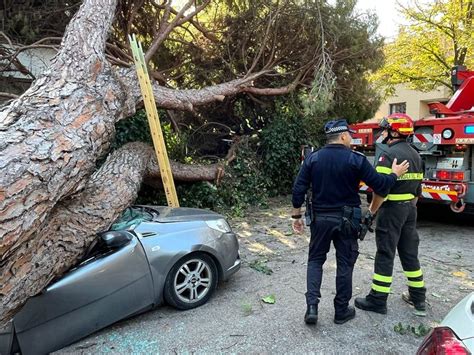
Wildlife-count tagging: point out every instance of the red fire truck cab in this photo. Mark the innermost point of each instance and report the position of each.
(445, 142)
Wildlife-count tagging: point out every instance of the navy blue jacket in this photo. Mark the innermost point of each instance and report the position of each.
(334, 173)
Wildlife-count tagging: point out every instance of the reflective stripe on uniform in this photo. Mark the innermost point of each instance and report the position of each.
(380, 288)
(400, 197)
(416, 284)
(383, 170)
(411, 274)
(411, 176)
(387, 279)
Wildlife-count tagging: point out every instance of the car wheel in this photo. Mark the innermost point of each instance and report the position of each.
(191, 281)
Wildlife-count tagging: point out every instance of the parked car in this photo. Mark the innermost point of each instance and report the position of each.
(150, 254)
(455, 335)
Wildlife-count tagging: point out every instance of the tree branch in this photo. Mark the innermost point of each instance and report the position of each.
(437, 56)
(8, 95)
(185, 100)
(423, 19)
(207, 33)
(178, 20)
(264, 40)
(272, 91)
(85, 37)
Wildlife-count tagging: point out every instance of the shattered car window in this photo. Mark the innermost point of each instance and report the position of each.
(130, 218)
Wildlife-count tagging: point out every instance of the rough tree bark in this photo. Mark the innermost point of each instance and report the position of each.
(52, 202)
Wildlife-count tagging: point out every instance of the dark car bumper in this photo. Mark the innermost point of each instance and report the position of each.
(233, 269)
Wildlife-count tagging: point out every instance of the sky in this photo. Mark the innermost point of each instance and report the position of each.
(386, 10)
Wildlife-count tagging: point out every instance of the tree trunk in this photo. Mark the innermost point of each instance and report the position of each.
(71, 226)
(52, 203)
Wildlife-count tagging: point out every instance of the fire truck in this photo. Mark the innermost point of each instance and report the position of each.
(445, 141)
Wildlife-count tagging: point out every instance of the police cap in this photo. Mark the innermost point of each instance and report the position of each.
(337, 126)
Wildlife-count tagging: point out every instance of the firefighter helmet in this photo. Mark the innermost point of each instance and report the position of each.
(398, 122)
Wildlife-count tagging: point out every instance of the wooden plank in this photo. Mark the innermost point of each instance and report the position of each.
(154, 122)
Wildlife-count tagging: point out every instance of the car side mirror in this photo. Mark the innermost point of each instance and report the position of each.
(116, 239)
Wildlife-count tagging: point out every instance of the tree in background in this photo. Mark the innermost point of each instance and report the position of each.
(439, 35)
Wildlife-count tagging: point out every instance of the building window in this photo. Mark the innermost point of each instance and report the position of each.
(400, 107)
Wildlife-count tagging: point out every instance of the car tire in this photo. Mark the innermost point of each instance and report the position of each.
(191, 281)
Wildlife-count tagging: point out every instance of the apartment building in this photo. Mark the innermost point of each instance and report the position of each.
(413, 103)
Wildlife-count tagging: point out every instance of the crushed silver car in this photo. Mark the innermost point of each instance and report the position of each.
(149, 255)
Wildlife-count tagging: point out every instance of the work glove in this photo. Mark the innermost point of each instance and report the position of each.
(369, 220)
(366, 225)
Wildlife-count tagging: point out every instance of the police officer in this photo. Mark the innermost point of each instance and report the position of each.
(334, 173)
(396, 221)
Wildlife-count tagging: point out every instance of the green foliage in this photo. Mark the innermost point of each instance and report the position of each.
(266, 164)
(270, 299)
(358, 52)
(438, 36)
(200, 195)
(28, 21)
(260, 265)
(281, 142)
(419, 330)
(333, 46)
(132, 129)
(136, 128)
(320, 99)
(243, 185)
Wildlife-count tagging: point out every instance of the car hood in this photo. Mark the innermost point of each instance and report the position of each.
(183, 214)
(461, 318)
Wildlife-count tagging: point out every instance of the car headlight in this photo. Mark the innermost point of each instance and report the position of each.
(220, 225)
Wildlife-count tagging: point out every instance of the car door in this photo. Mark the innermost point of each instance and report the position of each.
(97, 293)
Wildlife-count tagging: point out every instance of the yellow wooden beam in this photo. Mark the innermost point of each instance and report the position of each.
(154, 122)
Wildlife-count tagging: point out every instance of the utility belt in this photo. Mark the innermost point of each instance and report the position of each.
(350, 219)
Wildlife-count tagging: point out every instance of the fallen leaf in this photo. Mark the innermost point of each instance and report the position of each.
(419, 314)
(261, 266)
(269, 299)
(459, 273)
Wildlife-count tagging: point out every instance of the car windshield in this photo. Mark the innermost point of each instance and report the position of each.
(133, 216)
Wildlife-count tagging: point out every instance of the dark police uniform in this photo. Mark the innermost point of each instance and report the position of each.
(334, 173)
(396, 227)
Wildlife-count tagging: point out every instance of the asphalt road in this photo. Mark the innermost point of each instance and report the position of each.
(237, 321)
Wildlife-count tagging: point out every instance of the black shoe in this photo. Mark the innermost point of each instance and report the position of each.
(311, 316)
(366, 305)
(347, 316)
(420, 307)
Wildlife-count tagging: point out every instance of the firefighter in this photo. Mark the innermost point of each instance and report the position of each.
(396, 221)
(334, 173)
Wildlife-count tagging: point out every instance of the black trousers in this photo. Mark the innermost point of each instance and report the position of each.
(324, 229)
(396, 230)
